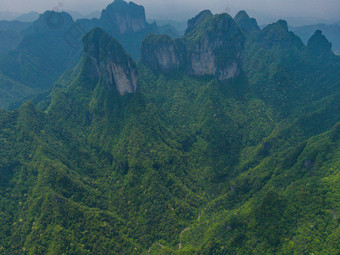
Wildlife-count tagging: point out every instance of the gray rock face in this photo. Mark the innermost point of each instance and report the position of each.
(213, 47)
(124, 17)
(217, 48)
(162, 53)
(109, 63)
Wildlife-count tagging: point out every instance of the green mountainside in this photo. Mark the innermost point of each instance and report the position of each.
(173, 155)
(36, 54)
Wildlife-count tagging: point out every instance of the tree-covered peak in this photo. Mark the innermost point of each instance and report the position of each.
(279, 26)
(278, 34)
(219, 25)
(53, 21)
(246, 23)
(318, 43)
(197, 20)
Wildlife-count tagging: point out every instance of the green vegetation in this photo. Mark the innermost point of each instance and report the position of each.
(184, 166)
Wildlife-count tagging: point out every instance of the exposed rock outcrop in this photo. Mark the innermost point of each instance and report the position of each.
(163, 53)
(216, 48)
(123, 17)
(109, 63)
(213, 45)
(126, 22)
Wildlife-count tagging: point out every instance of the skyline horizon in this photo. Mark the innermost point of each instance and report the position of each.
(182, 14)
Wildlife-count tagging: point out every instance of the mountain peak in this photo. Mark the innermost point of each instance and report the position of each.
(246, 23)
(214, 46)
(109, 63)
(122, 17)
(279, 34)
(53, 21)
(280, 25)
(197, 20)
(318, 43)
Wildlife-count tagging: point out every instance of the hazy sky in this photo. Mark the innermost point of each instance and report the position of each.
(323, 9)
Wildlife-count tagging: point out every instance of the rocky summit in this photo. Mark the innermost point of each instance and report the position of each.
(109, 63)
(123, 17)
(319, 44)
(213, 45)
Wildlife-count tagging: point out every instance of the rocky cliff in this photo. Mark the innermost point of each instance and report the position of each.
(109, 63)
(123, 17)
(163, 53)
(213, 45)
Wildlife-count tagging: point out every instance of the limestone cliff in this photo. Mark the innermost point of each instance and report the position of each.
(109, 63)
(163, 53)
(213, 45)
(122, 17)
(215, 48)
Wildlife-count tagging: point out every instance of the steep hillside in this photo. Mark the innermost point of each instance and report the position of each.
(172, 155)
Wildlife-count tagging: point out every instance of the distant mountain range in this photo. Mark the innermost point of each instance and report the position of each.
(332, 32)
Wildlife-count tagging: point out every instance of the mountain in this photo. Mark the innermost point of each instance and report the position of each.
(219, 142)
(37, 55)
(52, 44)
(127, 22)
(247, 24)
(287, 87)
(198, 53)
(109, 63)
(332, 32)
(43, 55)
